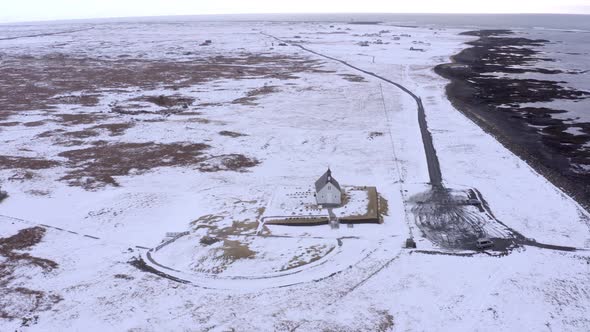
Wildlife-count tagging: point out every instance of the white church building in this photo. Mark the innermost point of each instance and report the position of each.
(327, 190)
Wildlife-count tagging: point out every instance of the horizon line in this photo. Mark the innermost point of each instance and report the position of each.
(17, 21)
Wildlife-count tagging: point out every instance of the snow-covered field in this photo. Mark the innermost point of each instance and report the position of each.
(163, 135)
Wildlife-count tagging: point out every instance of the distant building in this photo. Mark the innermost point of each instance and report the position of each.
(328, 190)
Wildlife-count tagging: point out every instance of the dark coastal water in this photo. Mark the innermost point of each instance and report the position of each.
(526, 80)
(467, 21)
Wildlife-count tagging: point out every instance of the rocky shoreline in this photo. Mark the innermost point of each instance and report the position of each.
(483, 88)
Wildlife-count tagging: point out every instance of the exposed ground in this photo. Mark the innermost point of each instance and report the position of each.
(496, 103)
(30, 89)
(139, 132)
(72, 102)
(19, 302)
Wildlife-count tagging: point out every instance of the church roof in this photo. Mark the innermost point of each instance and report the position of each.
(325, 179)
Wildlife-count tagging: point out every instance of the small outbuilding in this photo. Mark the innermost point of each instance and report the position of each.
(327, 190)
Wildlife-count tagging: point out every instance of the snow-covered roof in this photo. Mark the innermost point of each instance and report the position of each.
(325, 179)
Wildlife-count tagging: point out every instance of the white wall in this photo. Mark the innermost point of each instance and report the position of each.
(329, 195)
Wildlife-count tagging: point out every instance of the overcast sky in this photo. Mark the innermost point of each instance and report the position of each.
(29, 10)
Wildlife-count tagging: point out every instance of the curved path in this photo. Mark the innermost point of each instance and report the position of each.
(434, 172)
(337, 260)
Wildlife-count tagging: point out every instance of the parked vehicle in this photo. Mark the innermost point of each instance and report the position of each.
(410, 243)
(484, 243)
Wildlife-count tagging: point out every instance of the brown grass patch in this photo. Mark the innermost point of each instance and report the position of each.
(72, 138)
(169, 101)
(81, 118)
(386, 322)
(190, 113)
(17, 302)
(297, 261)
(173, 104)
(211, 222)
(159, 119)
(234, 250)
(37, 192)
(383, 206)
(9, 124)
(231, 133)
(331, 33)
(99, 142)
(34, 123)
(51, 133)
(24, 239)
(70, 142)
(206, 221)
(372, 205)
(85, 133)
(260, 211)
(115, 129)
(228, 162)
(96, 166)
(237, 228)
(14, 162)
(254, 94)
(130, 109)
(123, 276)
(83, 100)
(210, 104)
(223, 256)
(198, 120)
(29, 88)
(353, 78)
(22, 175)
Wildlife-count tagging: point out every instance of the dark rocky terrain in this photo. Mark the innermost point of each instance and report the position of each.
(482, 88)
